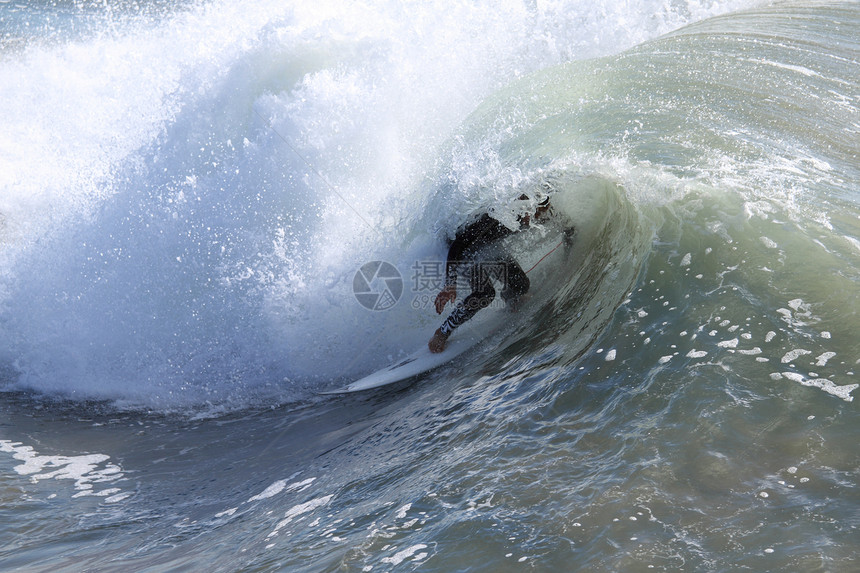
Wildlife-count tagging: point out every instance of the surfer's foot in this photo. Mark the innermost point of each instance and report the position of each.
(437, 343)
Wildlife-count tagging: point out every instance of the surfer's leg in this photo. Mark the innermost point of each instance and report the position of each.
(516, 281)
(482, 296)
(465, 310)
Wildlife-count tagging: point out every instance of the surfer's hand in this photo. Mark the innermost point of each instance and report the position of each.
(569, 234)
(446, 295)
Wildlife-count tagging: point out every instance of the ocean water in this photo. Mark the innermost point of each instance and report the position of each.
(187, 191)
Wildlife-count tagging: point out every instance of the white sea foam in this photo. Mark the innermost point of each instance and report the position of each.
(404, 554)
(822, 359)
(281, 486)
(299, 510)
(750, 351)
(88, 471)
(842, 391)
(403, 511)
(793, 355)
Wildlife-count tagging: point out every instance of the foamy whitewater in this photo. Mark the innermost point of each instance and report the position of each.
(188, 190)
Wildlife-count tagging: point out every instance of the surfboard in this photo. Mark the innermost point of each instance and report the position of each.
(413, 365)
(465, 338)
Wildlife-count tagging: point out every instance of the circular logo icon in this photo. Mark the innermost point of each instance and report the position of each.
(377, 285)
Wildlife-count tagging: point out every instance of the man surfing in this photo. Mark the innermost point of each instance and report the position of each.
(462, 255)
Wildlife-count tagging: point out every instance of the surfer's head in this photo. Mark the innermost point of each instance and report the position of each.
(533, 205)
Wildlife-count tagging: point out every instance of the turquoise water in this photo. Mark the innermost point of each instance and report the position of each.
(186, 193)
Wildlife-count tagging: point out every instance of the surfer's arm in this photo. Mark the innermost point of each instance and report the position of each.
(569, 234)
(449, 291)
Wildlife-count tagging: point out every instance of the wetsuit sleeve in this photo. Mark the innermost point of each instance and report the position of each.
(474, 236)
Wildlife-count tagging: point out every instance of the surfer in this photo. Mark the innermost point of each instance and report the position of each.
(504, 268)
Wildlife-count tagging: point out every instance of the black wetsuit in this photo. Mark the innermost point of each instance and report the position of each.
(482, 274)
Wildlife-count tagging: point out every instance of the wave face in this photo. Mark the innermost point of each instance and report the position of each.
(188, 190)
